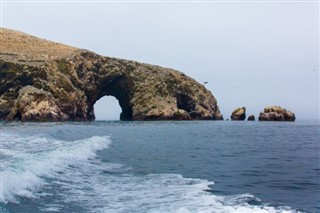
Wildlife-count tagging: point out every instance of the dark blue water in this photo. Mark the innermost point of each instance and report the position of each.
(160, 167)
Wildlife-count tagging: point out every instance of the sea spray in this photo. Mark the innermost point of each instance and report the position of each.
(24, 173)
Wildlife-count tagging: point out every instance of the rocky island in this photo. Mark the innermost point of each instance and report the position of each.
(42, 80)
(239, 114)
(276, 113)
(251, 118)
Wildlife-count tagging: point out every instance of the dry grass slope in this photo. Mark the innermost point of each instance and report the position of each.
(18, 47)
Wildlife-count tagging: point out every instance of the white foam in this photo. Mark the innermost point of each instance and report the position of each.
(24, 173)
(153, 194)
(166, 193)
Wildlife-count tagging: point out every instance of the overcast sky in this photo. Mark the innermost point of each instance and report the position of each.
(253, 54)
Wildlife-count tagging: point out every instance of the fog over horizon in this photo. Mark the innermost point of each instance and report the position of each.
(252, 54)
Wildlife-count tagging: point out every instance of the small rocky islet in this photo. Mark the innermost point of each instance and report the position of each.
(270, 113)
(251, 118)
(238, 114)
(276, 113)
(41, 80)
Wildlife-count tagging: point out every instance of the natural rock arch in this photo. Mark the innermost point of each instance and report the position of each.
(118, 87)
(55, 82)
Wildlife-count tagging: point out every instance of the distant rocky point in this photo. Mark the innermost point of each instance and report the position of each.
(276, 113)
(239, 114)
(42, 80)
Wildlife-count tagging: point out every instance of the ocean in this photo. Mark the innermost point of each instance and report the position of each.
(163, 166)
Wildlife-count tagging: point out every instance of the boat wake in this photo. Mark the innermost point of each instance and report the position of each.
(61, 176)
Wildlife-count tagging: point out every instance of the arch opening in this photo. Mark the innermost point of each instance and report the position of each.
(107, 108)
(116, 88)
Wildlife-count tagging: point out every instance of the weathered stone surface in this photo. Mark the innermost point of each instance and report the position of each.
(35, 104)
(276, 113)
(72, 80)
(239, 114)
(251, 118)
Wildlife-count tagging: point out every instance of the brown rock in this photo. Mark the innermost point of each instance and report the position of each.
(35, 104)
(239, 114)
(251, 118)
(276, 113)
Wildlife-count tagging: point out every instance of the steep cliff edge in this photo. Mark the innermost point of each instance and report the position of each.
(42, 80)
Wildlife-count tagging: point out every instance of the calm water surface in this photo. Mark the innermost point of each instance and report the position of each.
(199, 166)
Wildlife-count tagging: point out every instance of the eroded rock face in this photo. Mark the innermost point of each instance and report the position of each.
(35, 104)
(276, 113)
(239, 114)
(71, 80)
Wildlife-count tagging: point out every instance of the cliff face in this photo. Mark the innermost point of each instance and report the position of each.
(45, 81)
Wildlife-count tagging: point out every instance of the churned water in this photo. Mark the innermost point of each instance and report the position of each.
(198, 166)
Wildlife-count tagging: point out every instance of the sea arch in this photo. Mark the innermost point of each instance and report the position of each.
(118, 87)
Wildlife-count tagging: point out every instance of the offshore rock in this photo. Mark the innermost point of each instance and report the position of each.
(251, 118)
(276, 113)
(42, 80)
(239, 114)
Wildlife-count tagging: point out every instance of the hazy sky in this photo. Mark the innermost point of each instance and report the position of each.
(253, 54)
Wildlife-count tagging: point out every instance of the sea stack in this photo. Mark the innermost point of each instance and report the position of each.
(239, 114)
(251, 118)
(276, 113)
(42, 80)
